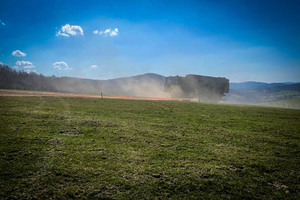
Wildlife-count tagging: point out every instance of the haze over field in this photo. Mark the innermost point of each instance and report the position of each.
(151, 85)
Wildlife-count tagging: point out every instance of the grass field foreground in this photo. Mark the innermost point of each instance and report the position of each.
(81, 148)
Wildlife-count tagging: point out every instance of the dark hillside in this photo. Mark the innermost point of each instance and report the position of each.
(141, 85)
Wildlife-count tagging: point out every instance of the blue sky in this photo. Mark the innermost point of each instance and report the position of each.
(256, 40)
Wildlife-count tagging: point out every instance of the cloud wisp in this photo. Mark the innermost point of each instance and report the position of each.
(107, 32)
(1, 22)
(62, 65)
(94, 66)
(70, 30)
(18, 53)
(30, 71)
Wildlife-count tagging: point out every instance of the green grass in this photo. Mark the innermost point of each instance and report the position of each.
(68, 148)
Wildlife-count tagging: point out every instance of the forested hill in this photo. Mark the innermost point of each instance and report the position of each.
(12, 79)
(142, 85)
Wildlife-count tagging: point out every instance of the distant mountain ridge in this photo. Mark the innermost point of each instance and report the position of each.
(252, 85)
(249, 85)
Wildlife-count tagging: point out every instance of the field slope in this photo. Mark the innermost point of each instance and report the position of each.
(69, 148)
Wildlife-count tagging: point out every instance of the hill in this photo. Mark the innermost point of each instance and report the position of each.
(147, 85)
(252, 85)
(142, 85)
(264, 93)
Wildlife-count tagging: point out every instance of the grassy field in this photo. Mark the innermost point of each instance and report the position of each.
(81, 148)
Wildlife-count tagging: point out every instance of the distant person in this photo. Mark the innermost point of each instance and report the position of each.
(101, 95)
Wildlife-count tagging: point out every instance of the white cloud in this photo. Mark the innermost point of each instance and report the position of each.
(18, 53)
(94, 66)
(1, 64)
(19, 63)
(114, 32)
(68, 30)
(24, 64)
(27, 66)
(109, 31)
(61, 65)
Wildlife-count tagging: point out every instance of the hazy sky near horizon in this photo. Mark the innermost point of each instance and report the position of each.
(243, 40)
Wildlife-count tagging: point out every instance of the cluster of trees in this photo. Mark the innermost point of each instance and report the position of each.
(21, 80)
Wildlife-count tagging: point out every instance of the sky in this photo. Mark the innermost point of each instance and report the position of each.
(243, 40)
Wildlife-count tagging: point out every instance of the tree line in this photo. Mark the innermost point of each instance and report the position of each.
(21, 80)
